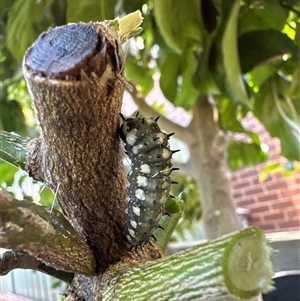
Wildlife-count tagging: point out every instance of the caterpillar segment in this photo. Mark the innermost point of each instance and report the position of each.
(149, 180)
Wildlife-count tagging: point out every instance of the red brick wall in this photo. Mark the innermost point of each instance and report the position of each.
(275, 203)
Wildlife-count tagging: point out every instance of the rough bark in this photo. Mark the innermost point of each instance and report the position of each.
(44, 234)
(74, 76)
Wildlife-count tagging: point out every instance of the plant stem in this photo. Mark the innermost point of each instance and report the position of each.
(236, 264)
(13, 148)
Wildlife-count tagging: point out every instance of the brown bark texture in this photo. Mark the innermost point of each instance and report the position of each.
(74, 76)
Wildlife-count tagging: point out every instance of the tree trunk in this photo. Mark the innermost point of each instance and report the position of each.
(78, 154)
(208, 153)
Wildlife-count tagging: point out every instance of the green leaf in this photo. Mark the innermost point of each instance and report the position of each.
(263, 14)
(186, 92)
(139, 75)
(276, 167)
(174, 205)
(12, 118)
(260, 46)
(231, 58)
(178, 22)
(90, 10)
(203, 79)
(169, 72)
(228, 113)
(7, 173)
(176, 78)
(277, 113)
(130, 6)
(23, 24)
(47, 197)
(244, 154)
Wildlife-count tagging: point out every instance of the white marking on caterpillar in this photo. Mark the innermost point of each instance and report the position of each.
(136, 210)
(142, 181)
(131, 232)
(145, 168)
(140, 194)
(166, 153)
(131, 137)
(136, 148)
(133, 224)
(149, 180)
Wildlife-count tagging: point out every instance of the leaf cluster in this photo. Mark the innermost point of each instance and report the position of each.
(244, 53)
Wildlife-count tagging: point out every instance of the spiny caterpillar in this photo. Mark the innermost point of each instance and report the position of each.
(149, 179)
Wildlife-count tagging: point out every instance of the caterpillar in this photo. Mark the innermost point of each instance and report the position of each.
(149, 179)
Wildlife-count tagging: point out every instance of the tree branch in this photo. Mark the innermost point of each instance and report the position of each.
(13, 148)
(11, 260)
(77, 99)
(165, 123)
(235, 265)
(44, 234)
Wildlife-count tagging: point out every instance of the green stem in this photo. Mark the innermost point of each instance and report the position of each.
(175, 207)
(236, 264)
(13, 148)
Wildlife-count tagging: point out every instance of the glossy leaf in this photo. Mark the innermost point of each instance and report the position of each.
(203, 79)
(176, 78)
(228, 112)
(260, 46)
(231, 57)
(278, 115)
(169, 72)
(244, 154)
(90, 10)
(262, 15)
(275, 167)
(27, 19)
(12, 118)
(139, 75)
(186, 93)
(7, 172)
(178, 22)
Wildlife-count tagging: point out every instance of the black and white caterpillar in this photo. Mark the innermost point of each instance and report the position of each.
(149, 179)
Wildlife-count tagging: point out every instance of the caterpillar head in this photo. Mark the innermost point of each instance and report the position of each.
(133, 129)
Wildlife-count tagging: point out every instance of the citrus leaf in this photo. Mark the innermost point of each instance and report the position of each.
(257, 47)
(231, 57)
(12, 118)
(244, 154)
(262, 15)
(177, 28)
(23, 24)
(90, 10)
(7, 173)
(169, 72)
(176, 78)
(139, 75)
(277, 114)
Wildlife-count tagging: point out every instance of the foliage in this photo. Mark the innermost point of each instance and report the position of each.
(21, 186)
(240, 50)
